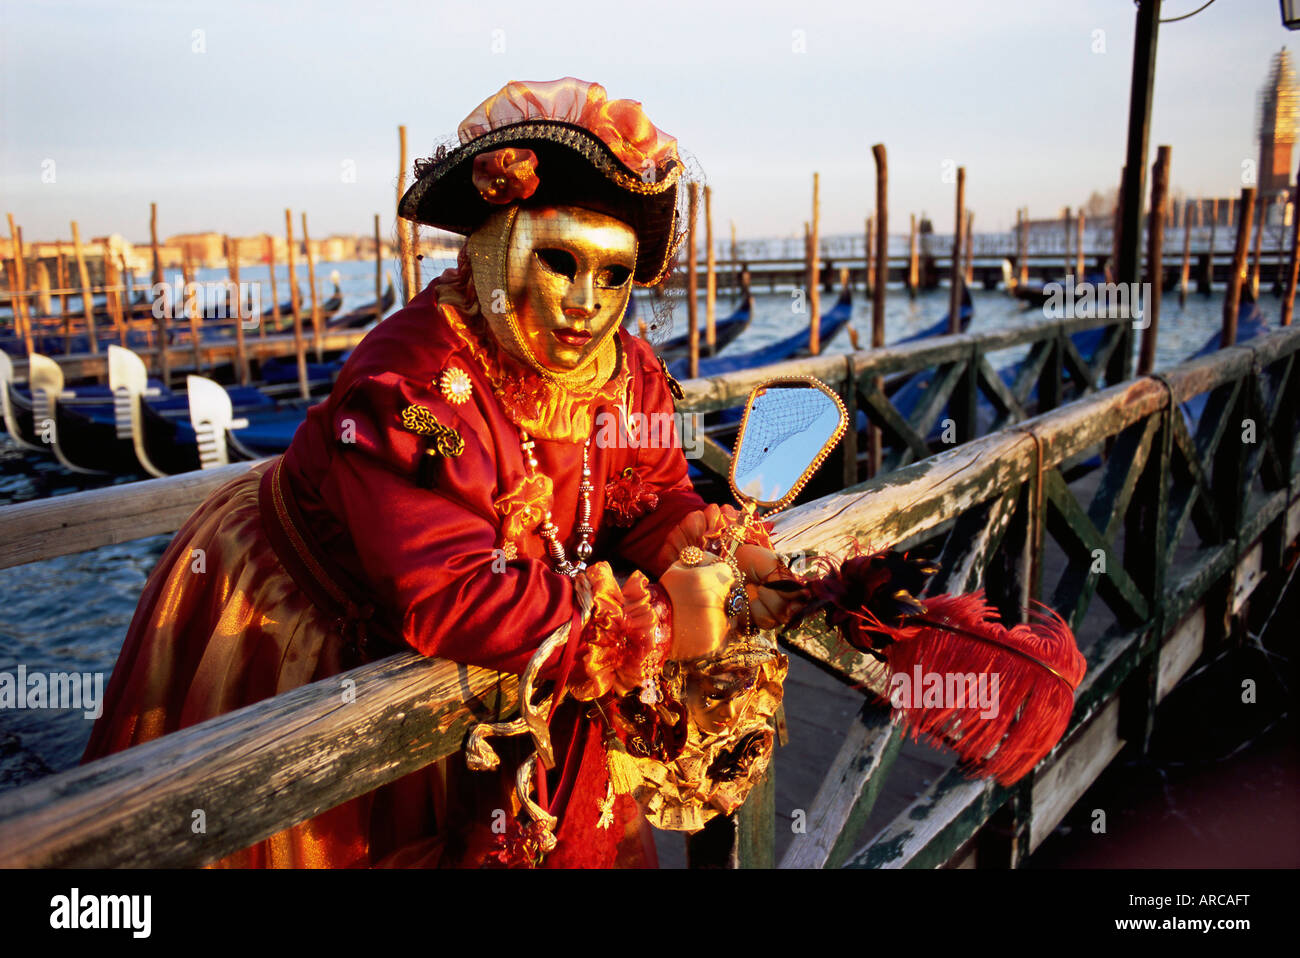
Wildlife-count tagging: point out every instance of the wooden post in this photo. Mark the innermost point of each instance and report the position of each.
(970, 247)
(1214, 225)
(405, 249)
(125, 307)
(1279, 249)
(87, 300)
(1022, 257)
(869, 274)
(275, 293)
(61, 275)
(913, 264)
(18, 289)
(1293, 270)
(29, 311)
(954, 293)
(882, 246)
(316, 332)
(190, 309)
(1080, 268)
(1117, 227)
(1065, 222)
(1186, 272)
(814, 271)
(164, 359)
(710, 278)
(735, 262)
(1155, 259)
(128, 294)
(379, 271)
(112, 302)
(692, 280)
(11, 283)
(1260, 210)
(875, 450)
(1232, 301)
(44, 302)
(233, 294)
(298, 345)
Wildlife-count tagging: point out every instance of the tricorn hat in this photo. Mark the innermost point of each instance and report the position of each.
(561, 142)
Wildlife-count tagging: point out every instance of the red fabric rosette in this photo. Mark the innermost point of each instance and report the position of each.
(506, 175)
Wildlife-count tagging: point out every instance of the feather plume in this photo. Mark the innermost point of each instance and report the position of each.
(1000, 697)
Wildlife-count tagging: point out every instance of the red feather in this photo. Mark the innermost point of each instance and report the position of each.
(943, 644)
(1027, 707)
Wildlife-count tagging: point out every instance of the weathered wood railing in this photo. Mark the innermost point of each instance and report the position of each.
(992, 502)
(952, 373)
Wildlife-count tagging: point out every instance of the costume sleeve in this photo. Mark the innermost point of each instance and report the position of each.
(658, 495)
(679, 516)
(431, 555)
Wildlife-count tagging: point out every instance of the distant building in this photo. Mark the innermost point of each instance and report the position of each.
(1279, 118)
(203, 249)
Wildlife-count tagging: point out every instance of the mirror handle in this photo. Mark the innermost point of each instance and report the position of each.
(738, 535)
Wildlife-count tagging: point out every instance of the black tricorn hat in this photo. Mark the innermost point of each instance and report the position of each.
(544, 161)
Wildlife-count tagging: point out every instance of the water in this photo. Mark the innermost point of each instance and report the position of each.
(71, 613)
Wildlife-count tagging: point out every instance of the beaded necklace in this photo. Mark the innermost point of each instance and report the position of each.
(547, 530)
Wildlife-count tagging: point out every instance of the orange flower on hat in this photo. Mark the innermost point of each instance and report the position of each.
(506, 175)
(620, 124)
(628, 132)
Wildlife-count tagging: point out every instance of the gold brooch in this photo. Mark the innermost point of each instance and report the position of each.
(445, 441)
(455, 385)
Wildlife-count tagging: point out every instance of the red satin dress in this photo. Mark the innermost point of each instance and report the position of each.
(298, 570)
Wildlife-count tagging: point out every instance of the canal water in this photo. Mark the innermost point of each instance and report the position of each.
(1220, 783)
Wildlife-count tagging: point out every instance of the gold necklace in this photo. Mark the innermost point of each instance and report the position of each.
(547, 530)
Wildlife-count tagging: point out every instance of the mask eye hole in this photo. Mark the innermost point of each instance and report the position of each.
(559, 261)
(612, 277)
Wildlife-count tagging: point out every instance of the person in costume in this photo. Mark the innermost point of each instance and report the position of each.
(479, 471)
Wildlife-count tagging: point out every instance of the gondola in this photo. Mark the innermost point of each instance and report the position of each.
(791, 347)
(724, 333)
(370, 313)
(284, 369)
(180, 431)
(1030, 294)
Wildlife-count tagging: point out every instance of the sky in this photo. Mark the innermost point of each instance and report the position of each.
(227, 113)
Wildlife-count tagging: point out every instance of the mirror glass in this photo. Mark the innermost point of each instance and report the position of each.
(787, 427)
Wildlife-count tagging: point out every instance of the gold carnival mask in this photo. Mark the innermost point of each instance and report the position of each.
(552, 285)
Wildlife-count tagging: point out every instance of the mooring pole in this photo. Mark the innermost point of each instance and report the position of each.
(1232, 300)
(1155, 260)
(959, 227)
(1293, 269)
(1128, 269)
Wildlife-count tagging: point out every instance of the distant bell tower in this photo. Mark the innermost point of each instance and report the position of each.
(1279, 116)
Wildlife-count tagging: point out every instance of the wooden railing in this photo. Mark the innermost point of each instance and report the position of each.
(992, 502)
(955, 371)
